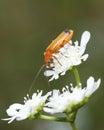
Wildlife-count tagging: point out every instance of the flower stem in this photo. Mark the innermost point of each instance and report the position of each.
(73, 125)
(45, 117)
(77, 77)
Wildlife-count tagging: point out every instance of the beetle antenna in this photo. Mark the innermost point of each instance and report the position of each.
(35, 78)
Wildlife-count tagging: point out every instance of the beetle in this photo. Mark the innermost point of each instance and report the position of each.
(56, 44)
(54, 47)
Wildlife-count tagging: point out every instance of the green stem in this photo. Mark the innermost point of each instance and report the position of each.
(76, 74)
(73, 125)
(45, 117)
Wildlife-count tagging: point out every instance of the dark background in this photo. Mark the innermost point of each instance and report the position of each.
(26, 28)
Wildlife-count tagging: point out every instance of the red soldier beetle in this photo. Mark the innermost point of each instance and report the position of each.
(56, 44)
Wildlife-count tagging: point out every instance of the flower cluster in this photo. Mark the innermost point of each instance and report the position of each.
(70, 55)
(68, 100)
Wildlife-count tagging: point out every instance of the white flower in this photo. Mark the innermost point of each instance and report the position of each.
(71, 99)
(68, 56)
(29, 109)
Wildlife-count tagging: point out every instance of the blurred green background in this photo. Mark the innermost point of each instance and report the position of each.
(26, 28)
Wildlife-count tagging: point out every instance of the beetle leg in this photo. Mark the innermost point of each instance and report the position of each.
(62, 54)
(56, 59)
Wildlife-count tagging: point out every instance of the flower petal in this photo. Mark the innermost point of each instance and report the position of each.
(85, 38)
(13, 109)
(92, 86)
